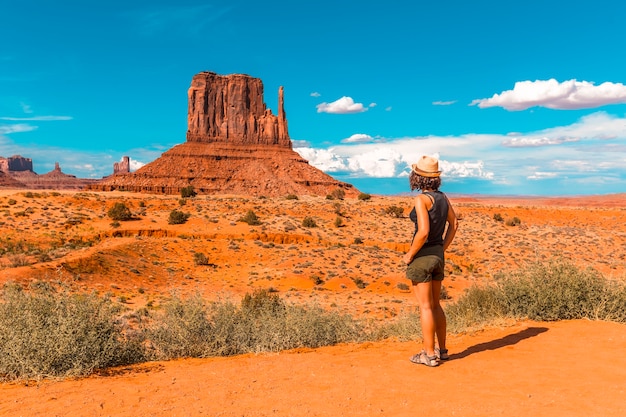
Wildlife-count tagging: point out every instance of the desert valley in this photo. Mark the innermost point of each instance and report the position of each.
(313, 241)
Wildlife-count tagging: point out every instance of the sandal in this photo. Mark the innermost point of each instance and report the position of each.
(423, 359)
(442, 354)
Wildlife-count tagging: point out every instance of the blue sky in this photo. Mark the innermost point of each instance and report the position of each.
(514, 97)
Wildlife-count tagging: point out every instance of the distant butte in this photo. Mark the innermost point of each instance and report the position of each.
(235, 145)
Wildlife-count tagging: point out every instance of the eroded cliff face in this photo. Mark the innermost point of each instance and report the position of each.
(230, 109)
(235, 145)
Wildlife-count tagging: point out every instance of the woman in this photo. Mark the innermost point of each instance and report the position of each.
(425, 258)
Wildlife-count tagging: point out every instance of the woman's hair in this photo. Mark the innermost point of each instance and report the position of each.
(418, 182)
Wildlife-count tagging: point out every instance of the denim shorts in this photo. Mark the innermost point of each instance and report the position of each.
(425, 269)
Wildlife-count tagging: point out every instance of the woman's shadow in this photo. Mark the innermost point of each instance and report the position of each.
(500, 343)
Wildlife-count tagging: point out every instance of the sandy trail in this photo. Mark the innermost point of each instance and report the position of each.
(527, 369)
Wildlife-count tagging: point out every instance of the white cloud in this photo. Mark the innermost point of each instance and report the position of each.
(26, 108)
(315, 94)
(443, 103)
(37, 118)
(542, 175)
(17, 128)
(372, 105)
(572, 153)
(345, 105)
(567, 95)
(388, 108)
(598, 125)
(135, 165)
(358, 138)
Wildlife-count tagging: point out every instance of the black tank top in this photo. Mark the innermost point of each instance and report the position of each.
(437, 217)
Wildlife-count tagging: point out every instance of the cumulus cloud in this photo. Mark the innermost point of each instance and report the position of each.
(600, 126)
(345, 105)
(567, 95)
(589, 148)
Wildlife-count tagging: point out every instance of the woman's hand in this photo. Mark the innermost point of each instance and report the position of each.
(407, 258)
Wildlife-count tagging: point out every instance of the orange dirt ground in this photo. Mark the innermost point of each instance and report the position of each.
(567, 368)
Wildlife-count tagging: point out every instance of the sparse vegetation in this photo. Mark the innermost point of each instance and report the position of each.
(514, 221)
(200, 258)
(309, 222)
(178, 217)
(364, 196)
(120, 212)
(188, 192)
(78, 333)
(251, 218)
(394, 211)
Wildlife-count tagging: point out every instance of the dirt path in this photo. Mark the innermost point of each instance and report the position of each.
(572, 368)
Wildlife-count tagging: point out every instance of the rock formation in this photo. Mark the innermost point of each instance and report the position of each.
(235, 145)
(122, 167)
(17, 172)
(16, 163)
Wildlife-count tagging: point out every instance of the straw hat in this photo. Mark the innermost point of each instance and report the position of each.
(427, 167)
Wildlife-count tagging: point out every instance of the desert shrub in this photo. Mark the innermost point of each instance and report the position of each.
(188, 192)
(291, 197)
(12, 202)
(47, 332)
(182, 329)
(178, 217)
(251, 218)
(358, 241)
(555, 290)
(558, 290)
(120, 212)
(394, 211)
(262, 322)
(498, 217)
(364, 196)
(200, 259)
(338, 194)
(182, 202)
(338, 221)
(309, 222)
(515, 221)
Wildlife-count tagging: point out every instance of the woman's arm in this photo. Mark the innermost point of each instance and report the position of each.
(452, 226)
(423, 227)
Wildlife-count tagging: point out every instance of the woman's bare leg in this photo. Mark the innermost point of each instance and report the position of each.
(440, 316)
(424, 293)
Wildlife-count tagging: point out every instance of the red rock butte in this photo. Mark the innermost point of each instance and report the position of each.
(235, 145)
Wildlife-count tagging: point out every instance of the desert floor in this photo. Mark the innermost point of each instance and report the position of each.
(563, 368)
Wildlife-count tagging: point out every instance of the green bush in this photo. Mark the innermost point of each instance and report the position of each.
(178, 217)
(200, 259)
(251, 218)
(120, 212)
(394, 211)
(291, 197)
(338, 221)
(364, 196)
(188, 192)
(309, 222)
(498, 217)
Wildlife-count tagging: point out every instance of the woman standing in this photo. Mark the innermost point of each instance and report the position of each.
(425, 258)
